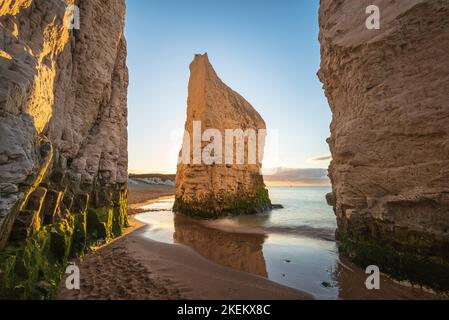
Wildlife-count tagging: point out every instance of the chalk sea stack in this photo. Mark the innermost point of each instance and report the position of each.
(389, 90)
(214, 190)
(63, 137)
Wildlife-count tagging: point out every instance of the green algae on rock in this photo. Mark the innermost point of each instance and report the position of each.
(405, 255)
(213, 208)
(33, 268)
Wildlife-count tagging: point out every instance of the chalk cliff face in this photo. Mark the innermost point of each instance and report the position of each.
(221, 187)
(389, 90)
(63, 114)
(62, 102)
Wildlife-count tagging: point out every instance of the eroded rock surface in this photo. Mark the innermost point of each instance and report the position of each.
(67, 87)
(219, 188)
(389, 90)
(63, 137)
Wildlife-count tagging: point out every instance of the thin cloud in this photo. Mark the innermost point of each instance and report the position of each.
(321, 158)
(311, 177)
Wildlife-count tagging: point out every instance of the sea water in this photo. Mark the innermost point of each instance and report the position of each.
(294, 246)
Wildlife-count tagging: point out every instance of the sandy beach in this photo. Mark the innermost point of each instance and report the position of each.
(134, 267)
(197, 265)
(143, 194)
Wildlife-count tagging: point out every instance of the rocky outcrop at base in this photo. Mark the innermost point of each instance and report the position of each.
(389, 90)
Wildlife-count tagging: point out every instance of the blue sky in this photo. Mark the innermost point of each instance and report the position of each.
(266, 50)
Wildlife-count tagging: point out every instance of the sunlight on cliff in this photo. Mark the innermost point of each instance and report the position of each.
(5, 55)
(13, 7)
(40, 107)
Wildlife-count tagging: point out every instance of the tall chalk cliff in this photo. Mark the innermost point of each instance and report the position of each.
(63, 124)
(219, 188)
(389, 93)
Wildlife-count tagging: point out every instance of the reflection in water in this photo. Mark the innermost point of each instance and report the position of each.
(245, 244)
(235, 250)
(300, 255)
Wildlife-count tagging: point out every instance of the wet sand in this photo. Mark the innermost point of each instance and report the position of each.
(280, 260)
(142, 194)
(112, 273)
(135, 267)
(352, 286)
(203, 260)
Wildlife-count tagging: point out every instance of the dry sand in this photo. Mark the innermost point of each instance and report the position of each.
(143, 194)
(134, 267)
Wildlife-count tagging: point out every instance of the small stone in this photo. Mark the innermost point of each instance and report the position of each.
(44, 286)
(330, 199)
